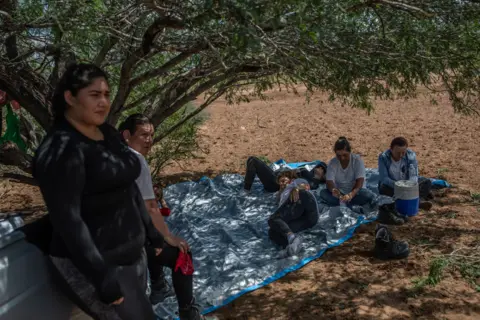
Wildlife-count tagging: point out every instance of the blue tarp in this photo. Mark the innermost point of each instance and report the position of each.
(228, 233)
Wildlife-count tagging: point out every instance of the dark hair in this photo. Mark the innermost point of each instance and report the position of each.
(132, 121)
(75, 78)
(287, 173)
(321, 165)
(399, 141)
(342, 144)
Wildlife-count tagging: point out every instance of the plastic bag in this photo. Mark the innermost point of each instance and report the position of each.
(185, 264)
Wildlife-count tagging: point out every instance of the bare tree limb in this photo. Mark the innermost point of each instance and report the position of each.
(163, 113)
(204, 105)
(127, 68)
(160, 70)
(107, 46)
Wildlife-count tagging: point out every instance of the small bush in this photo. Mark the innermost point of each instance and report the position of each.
(476, 196)
(179, 145)
(265, 159)
(464, 260)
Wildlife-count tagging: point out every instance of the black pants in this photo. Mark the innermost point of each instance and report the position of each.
(293, 217)
(266, 175)
(424, 189)
(182, 284)
(132, 281)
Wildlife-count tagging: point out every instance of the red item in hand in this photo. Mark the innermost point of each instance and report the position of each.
(165, 211)
(184, 263)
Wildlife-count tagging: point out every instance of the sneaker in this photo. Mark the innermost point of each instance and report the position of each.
(388, 215)
(386, 247)
(160, 292)
(295, 247)
(192, 312)
(426, 205)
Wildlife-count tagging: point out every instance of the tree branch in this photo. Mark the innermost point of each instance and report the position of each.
(163, 113)
(209, 101)
(29, 93)
(394, 4)
(127, 68)
(160, 70)
(107, 46)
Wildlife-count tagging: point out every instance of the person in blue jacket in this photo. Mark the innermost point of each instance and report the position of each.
(400, 163)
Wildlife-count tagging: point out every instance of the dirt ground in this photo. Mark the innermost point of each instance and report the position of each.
(347, 282)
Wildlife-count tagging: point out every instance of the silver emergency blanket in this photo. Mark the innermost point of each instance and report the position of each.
(228, 232)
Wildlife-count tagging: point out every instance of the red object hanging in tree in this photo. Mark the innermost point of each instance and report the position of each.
(3, 97)
(15, 105)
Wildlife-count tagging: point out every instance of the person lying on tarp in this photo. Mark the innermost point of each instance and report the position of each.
(297, 211)
(346, 178)
(400, 163)
(277, 181)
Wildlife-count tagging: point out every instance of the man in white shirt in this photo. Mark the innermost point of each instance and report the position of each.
(138, 131)
(346, 178)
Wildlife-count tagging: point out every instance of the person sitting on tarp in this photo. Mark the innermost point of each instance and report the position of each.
(294, 214)
(346, 178)
(400, 163)
(277, 181)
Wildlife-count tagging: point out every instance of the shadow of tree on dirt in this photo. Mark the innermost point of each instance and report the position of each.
(347, 282)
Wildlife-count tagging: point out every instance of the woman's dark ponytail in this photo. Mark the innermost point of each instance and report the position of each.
(342, 144)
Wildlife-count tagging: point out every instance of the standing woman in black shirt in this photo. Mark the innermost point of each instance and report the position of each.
(100, 224)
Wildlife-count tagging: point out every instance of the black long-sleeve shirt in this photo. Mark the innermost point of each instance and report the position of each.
(98, 215)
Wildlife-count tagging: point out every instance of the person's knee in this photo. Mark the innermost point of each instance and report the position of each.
(272, 218)
(251, 160)
(312, 220)
(385, 190)
(425, 183)
(365, 196)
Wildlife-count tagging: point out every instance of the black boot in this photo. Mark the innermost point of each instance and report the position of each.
(387, 214)
(386, 247)
(192, 312)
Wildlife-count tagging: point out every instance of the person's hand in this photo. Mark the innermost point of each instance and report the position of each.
(118, 301)
(295, 195)
(336, 193)
(164, 204)
(178, 243)
(346, 198)
(157, 252)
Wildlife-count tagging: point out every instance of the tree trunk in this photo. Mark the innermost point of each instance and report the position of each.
(11, 155)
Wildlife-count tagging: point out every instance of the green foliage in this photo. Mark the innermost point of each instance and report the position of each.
(264, 159)
(160, 58)
(464, 260)
(476, 196)
(354, 51)
(180, 144)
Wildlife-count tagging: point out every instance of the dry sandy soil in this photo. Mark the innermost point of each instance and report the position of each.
(347, 282)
